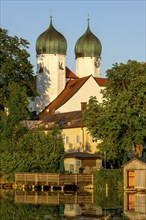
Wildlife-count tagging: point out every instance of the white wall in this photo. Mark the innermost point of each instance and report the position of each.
(85, 66)
(90, 88)
(51, 81)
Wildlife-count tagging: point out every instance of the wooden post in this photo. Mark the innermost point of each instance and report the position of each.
(76, 198)
(32, 187)
(106, 189)
(62, 188)
(76, 179)
(36, 179)
(51, 188)
(92, 180)
(42, 187)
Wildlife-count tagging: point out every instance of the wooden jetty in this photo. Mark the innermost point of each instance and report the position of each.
(35, 197)
(53, 180)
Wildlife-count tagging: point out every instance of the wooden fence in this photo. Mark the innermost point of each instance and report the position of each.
(53, 179)
(52, 198)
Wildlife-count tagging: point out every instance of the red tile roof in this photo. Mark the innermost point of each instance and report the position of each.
(101, 81)
(71, 88)
(70, 74)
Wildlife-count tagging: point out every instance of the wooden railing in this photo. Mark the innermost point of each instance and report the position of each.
(52, 198)
(53, 179)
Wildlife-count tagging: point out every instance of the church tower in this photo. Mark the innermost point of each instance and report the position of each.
(87, 54)
(51, 47)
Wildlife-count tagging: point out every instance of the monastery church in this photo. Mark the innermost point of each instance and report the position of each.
(63, 95)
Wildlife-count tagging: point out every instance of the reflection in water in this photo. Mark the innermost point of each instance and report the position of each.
(135, 206)
(39, 197)
(17, 205)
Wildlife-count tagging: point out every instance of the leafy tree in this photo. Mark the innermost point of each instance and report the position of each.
(16, 85)
(14, 66)
(34, 151)
(41, 152)
(22, 150)
(120, 120)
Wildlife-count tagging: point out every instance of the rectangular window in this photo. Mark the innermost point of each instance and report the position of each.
(78, 162)
(72, 168)
(77, 139)
(67, 139)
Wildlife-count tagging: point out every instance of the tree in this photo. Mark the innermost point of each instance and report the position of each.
(120, 120)
(16, 85)
(34, 151)
(15, 68)
(41, 152)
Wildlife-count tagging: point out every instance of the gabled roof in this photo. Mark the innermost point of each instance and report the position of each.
(101, 81)
(140, 159)
(80, 155)
(71, 88)
(70, 74)
(64, 120)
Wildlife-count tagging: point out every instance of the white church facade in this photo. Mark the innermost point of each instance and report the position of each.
(54, 79)
(62, 94)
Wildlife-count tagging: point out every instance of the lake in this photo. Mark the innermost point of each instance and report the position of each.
(82, 205)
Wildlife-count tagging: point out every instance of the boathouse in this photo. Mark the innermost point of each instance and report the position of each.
(81, 162)
(134, 172)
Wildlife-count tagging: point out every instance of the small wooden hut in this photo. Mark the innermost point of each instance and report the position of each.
(134, 172)
(81, 162)
(135, 205)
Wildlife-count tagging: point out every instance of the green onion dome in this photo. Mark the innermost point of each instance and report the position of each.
(88, 45)
(51, 42)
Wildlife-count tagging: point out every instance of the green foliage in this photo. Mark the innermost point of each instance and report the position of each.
(16, 84)
(34, 151)
(22, 150)
(112, 180)
(15, 68)
(120, 120)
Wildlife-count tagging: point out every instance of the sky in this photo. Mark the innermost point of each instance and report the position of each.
(119, 25)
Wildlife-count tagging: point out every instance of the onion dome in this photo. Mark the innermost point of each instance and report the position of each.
(51, 42)
(88, 45)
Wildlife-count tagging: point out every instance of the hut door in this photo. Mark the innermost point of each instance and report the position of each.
(131, 201)
(131, 179)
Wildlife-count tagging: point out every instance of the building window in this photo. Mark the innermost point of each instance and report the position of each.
(77, 139)
(72, 168)
(67, 139)
(78, 162)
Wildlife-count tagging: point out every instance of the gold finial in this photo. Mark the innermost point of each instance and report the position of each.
(51, 14)
(88, 19)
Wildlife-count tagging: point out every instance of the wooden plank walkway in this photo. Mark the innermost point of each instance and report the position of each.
(53, 179)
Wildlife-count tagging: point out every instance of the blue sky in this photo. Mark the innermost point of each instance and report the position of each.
(120, 26)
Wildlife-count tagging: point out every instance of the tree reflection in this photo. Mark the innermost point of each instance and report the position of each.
(12, 211)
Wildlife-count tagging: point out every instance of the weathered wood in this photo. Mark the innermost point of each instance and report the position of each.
(134, 175)
(53, 179)
(52, 198)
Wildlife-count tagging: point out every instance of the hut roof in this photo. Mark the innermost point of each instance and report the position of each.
(141, 159)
